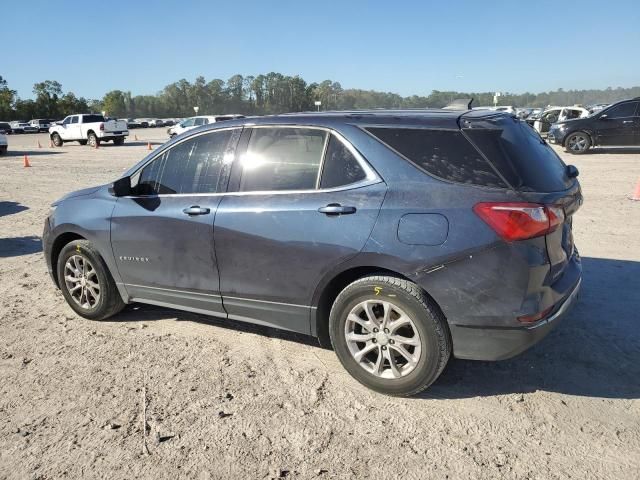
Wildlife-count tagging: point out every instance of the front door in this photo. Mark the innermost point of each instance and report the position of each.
(305, 202)
(617, 125)
(162, 235)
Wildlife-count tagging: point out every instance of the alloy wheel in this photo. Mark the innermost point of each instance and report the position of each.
(383, 339)
(81, 281)
(577, 143)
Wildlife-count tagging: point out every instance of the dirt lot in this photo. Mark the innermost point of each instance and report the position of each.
(228, 400)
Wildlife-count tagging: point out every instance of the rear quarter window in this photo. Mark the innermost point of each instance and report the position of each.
(445, 154)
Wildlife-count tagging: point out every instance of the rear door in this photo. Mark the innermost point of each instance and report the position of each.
(162, 235)
(303, 201)
(617, 125)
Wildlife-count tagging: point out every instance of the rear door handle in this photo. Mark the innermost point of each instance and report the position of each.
(337, 209)
(196, 210)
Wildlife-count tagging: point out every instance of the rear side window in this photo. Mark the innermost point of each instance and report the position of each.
(521, 156)
(443, 153)
(340, 166)
(193, 166)
(282, 159)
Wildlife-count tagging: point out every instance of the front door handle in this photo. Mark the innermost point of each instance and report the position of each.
(196, 210)
(337, 209)
(627, 121)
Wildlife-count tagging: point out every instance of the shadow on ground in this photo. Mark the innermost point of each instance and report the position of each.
(9, 208)
(594, 351)
(30, 153)
(618, 150)
(17, 246)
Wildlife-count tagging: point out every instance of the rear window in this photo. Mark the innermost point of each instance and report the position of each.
(521, 156)
(443, 153)
(92, 118)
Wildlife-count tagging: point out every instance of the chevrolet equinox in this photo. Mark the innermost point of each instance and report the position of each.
(399, 238)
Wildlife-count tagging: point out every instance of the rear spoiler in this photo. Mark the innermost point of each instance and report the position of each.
(459, 104)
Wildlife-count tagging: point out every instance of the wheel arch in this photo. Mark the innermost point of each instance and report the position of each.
(331, 288)
(57, 246)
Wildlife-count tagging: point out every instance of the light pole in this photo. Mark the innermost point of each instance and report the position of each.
(195, 109)
(318, 103)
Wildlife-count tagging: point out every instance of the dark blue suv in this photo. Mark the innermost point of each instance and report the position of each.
(399, 238)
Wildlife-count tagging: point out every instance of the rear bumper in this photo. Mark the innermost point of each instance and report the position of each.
(500, 343)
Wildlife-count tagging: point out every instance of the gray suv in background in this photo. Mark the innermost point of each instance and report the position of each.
(399, 238)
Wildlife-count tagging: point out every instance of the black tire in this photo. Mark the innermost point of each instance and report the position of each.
(92, 140)
(82, 142)
(430, 326)
(118, 141)
(577, 143)
(109, 301)
(57, 140)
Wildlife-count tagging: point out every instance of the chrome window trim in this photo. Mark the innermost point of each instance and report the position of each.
(371, 178)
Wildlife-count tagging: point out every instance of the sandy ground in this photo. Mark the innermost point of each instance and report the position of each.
(230, 400)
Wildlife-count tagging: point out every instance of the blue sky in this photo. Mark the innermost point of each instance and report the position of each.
(408, 47)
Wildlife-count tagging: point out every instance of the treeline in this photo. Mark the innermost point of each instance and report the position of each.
(264, 94)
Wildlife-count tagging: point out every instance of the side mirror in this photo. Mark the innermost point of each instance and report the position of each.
(121, 187)
(572, 171)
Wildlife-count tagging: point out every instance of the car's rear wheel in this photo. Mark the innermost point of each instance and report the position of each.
(86, 283)
(92, 139)
(577, 143)
(82, 142)
(389, 335)
(56, 139)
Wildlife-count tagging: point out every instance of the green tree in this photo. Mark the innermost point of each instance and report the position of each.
(7, 100)
(47, 95)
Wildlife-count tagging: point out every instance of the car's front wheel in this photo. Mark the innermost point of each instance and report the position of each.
(577, 143)
(86, 283)
(56, 139)
(389, 335)
(92, 139)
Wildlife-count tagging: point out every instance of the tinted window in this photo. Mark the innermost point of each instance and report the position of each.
(623, 110)
(74, 119)
(67, 121)
(340, 166)
(516, 150)
(282, 159)
(193, 166)
(444, 153)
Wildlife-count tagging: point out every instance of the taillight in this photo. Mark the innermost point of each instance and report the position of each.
(535, 317)
(519, 221)
(102, 126)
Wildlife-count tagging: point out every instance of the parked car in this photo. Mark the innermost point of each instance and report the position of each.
(155, 122)
(132, 123)
(616, 125)
(386, 234)
(143, 122)
(500, 108)
(194, 122)
(168, 122)
(89, 128)
(5, 128)
(41, 124)
(4, 145)
(557, 114)
(23, 127)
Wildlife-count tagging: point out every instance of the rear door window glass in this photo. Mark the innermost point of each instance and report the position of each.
(445, 154)
(282, 159)
(193, 166)
(340, 166)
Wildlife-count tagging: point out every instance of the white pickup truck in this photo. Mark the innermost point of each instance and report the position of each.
(88, 128)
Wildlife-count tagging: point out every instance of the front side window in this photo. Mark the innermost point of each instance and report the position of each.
(195, 165)
(443, 153)
(623, 110)
(282, 159)
(66, 121)
(340, 166)
(74, 119)
(189, 122)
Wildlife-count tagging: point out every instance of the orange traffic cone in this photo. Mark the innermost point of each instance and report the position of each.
(636, 193)
(26, 161)
(149, 146)
(39, 146)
